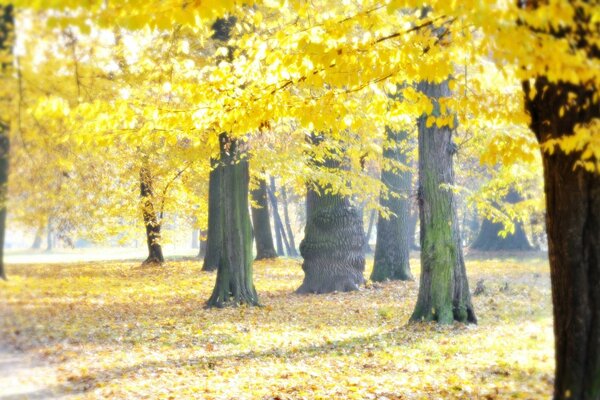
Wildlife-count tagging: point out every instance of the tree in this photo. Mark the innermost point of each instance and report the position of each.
(333, 244)
(151, 220)
(288, 226)
(393, 243)
(215, 229)
(261, 222)
(490, 238)
(6, 40)
(444, 294)
(234, 284)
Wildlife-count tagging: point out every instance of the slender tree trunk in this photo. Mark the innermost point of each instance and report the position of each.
(234, 284)
(155, 254)
(444, 290)
(412, 229)
(262, 223)
(203, 244)
(6, 44)
(195, 239)
(489, 239)
(573, 227)
(393, 245)
(288, 225)
(279, 231)
(333, 244)
(37, 240)
(215, 229)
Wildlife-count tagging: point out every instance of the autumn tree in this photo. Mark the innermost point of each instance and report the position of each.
(6, 40)
(261, 222)
(393, 243)
(333, 244)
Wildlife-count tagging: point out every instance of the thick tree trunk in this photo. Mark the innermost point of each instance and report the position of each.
(288, 226)
(444, 294)
(215, 229)
(234, 284)
(573, 227)
(489, 238)
(262, 223)
(393, 244)
(155, 255)
(333, 244)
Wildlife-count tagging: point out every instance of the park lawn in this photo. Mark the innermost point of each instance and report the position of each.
(117, 330)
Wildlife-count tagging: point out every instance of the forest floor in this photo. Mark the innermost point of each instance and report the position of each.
(116, 330)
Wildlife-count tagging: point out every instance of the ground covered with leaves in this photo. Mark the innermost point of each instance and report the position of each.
(115, 330)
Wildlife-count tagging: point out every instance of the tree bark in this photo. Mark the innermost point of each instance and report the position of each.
(288, 226)
(6, 43)
(262, 223)
(489, 239)
(155, 254)
(393, 246)
(215, 229)
(234, 284)
(444, 294)
(333, 244)
(573, 228)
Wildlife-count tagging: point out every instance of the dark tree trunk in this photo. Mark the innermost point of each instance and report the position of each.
(573, 227)
(489, 238)
(203, 244)
(6, 43)
(155, 255)
(444, 294)
(215, 229)
(262, 223)
(280, 236)
(393, 245)
(234, 284)
(333, 244)
(288, 226)
(368, 249)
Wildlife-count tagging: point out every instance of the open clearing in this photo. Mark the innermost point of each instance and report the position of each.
(116, 330)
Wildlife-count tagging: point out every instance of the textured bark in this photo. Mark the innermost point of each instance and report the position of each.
(155, 255)
(262, 223)
(215, 229)
(6, 27)
(234, 284)
(573, 228)
(393, 244)
(288, 226)
(489, 239)
(333, 244)
(444, 294)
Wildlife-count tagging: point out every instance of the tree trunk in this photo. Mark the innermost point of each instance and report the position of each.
(37, 240)
(333, 244)
(290, 234)
(195, 239)
(444, 290)
(203, 244)
(279, 231)
(489, 238)
(573, 227)
(215, 229)
(393, 246)
(262, 223)
(155, 255)
(234, 284)
(412, 229)
(368, 249)
(6, 43)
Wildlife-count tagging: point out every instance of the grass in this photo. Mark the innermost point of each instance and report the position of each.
(115, 330)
